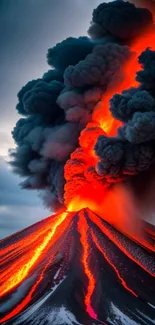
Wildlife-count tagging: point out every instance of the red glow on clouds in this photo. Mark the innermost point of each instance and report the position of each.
(89, 191)
(82, 181)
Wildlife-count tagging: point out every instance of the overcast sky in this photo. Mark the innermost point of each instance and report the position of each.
(27, 29)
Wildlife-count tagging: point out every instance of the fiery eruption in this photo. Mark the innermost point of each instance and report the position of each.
(88, 131)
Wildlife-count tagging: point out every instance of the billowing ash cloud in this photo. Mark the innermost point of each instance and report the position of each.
(69, 51)
(133, 149)
(119, 158)
(98, 68)
(150, 4)
(147, 76)
(119, 19)
(129, 102)
(58, 106)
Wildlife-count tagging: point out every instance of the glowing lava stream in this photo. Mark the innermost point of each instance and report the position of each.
(109, 234)
(28, 297)
(16, 245)
(21, 273)
(111, 264)
(83, 230)
(13, 249)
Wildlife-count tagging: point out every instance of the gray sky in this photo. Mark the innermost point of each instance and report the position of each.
(27, 29)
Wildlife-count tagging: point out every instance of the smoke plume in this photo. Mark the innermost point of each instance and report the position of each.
(66, 139)
(150, 4)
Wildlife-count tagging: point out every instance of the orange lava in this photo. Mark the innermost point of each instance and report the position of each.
(58, 238)
(28, 297)
(113, 238)
(83, 230)
(111, 264)
(13, 276)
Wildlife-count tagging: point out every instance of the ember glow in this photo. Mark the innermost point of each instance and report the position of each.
(98, 233)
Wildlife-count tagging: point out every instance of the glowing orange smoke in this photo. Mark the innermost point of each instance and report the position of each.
(82, 180)
(102, 115)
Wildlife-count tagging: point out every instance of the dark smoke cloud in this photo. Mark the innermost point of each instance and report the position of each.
(125, 105)
(98, 68)
(53, 74)
(57, 107)
(133, 149)
(78, 104)
(150, 4)
(120, 158)
(69, 51)
(141, 128)
(41, 99)
(22, 92)
(119, 19)
(147, 76)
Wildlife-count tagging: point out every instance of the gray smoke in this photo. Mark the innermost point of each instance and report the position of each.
(119, 19)
(133, 149)
(57, 107)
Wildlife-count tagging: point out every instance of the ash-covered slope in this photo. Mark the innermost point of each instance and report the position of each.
(74, 268)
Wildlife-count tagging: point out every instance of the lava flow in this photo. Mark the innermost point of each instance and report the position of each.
(81, 246)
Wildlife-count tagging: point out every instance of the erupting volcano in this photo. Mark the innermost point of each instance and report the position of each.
(87, 141)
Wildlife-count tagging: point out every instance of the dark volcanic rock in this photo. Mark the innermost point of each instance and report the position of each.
(77, 271)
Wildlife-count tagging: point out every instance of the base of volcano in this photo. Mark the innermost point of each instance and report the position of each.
(88, 274)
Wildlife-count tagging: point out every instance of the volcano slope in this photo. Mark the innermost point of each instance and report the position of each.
(74, 268)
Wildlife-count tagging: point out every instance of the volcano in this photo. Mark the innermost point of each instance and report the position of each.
(87, 129)
(75, 268)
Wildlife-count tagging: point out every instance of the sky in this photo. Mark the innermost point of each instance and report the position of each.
(27, 29)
